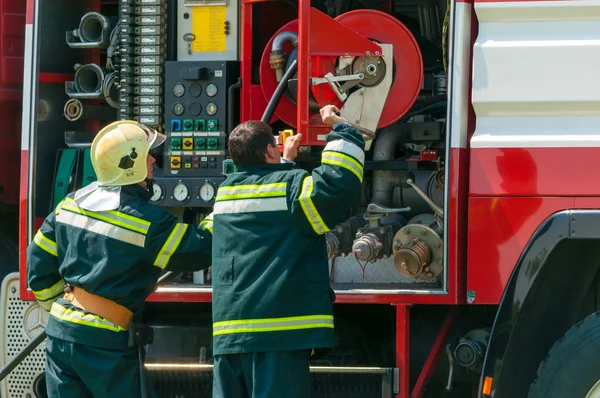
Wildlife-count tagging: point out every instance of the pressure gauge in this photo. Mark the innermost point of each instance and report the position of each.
(181, 192)
(211, 109)
(158, 192)
(178, 90)
(178, 109)
(207, 191)
(211, 90)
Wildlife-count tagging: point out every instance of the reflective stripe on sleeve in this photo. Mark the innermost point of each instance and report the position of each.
(170, 245)
(273, 324)
(45, 244)
(81, 318)
(207, 224)
(348, 148)
(345, 161)
(100, 227)
(51, 292)
(309, 209)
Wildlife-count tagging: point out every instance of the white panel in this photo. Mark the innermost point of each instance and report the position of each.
(535, 74)
(460, 63)
(28, 94)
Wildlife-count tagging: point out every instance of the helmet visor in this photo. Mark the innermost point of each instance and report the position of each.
(155, 138)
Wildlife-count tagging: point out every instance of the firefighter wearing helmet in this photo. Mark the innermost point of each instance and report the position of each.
(95, 260)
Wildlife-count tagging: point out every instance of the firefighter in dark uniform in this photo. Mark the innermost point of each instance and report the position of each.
(272, 303)
(95, 260)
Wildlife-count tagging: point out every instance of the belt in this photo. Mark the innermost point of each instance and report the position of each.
(100, 306)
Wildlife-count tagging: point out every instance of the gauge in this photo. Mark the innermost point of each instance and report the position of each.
(178, 109)
(211, 90)
(181, 192)
(207, 191)
(211, 108)
(178, 90)
(157, 192)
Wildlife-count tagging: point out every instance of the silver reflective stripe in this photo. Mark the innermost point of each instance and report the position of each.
(252, 191)
(273, 324)
(51, 292)
(113, 217)
(250, 205)
(45, 244)
(348, 148)
(101, 227)
(170, 245)
(82, 318)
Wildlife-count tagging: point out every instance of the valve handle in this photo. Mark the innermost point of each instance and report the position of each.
(368, 135)
(375, 208)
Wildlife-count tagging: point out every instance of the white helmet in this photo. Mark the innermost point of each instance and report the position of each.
(119, 152)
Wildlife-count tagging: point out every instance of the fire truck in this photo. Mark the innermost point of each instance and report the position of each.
(469, 266)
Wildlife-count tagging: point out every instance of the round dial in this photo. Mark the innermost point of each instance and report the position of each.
(178, 90)
(158, 192)
(180, 192)
(178, 109)
(211, 108)
(211, 90)
(207, 192)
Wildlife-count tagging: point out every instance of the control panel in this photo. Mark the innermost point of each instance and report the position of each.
(195, 114)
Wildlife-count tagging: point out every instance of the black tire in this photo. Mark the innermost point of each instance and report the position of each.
(572, 367)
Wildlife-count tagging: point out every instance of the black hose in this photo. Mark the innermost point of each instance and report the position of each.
(279, 92)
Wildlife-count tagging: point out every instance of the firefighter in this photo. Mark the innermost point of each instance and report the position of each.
(272, 304)
(95, 260)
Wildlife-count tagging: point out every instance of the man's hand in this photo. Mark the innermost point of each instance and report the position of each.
(329, 117)
(290, 149)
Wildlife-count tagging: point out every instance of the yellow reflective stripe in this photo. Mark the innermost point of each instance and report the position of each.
(57, 210)
(347, 148)
(310, 211)
(273, 324)
(207, 224)
(100, 227)
(345, 161)
(252, 191)
(51, 292)
(81, 318)
(45, 244)
(113, 217)
(170, 246)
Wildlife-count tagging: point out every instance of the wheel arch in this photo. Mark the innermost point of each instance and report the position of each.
(545, 295)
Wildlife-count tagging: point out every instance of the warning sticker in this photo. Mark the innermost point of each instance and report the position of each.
(208, 25)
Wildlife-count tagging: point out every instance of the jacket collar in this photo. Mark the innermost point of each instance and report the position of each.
(266, 166)
(137, 191)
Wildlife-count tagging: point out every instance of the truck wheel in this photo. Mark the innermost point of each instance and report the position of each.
(572, 368)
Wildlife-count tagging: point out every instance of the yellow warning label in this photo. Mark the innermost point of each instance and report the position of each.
(208, 25)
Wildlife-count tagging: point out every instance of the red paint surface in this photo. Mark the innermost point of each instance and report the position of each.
(58, 78)
(534, 172)
(403, 349)
(30, 10)
(25, 295)
(499, 229)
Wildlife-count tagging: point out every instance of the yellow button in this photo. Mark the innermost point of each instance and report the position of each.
(175, 162)
(188, 144)
(188, 165)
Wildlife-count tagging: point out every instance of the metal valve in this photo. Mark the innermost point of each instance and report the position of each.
(436, 209)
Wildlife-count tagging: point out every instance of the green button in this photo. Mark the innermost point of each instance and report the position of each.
(213, 143)
(200, 143)
(213, 124)
(175, 143)
(188, 125)
(200, 125)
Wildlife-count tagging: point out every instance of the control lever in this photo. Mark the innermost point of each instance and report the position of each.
(436, 209)
(375, 208)
(367, 134)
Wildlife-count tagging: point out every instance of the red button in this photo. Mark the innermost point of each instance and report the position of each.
(196, 158)
(196, 165)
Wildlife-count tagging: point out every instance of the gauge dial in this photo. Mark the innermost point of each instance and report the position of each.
(178, 109)
(180, 192)
(207, 192)
(178, 90)
(211, 90)
(211, 108)
(158, 192)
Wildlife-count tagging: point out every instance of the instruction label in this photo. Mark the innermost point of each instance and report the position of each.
(208, 25)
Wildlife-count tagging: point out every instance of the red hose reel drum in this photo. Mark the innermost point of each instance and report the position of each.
(375, 25)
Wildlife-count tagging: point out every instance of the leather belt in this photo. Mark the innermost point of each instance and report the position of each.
(100, 306)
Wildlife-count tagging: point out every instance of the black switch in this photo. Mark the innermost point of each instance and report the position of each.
(193, 74)
(213, 159)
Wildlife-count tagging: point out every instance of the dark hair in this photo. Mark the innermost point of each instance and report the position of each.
(248, 143)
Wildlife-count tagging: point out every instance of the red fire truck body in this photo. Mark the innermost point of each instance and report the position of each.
(488, 126)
